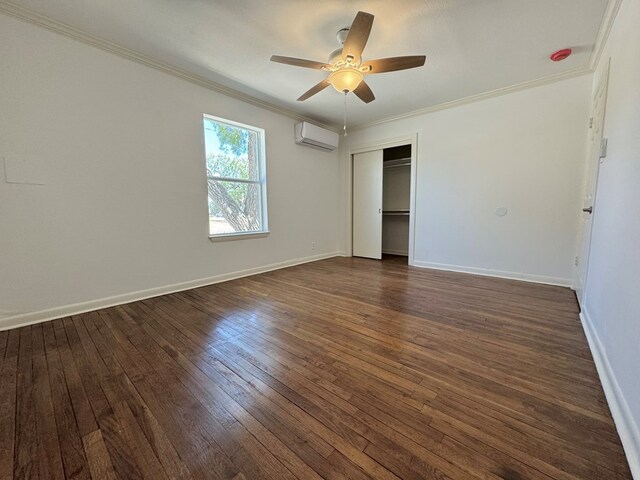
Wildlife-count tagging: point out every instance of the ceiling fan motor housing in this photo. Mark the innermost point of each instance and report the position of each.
(342, 35)
(335, 56)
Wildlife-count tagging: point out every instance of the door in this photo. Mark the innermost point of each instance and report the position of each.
(367, 204)
(593, 166)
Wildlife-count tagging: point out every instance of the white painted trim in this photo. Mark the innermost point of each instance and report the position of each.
(48, 23)
(628, 430)
(24, 319)
(603, 33)
(488, 272)
(382, 144)
(410, 139)
(576, 72)
(225, 237)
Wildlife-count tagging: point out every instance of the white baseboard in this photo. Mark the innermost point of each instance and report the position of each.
(627, 428)
(402, 253)
(30, 318)
(487, 272)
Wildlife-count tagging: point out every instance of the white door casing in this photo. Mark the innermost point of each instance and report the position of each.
(598, 110)
(367, 204)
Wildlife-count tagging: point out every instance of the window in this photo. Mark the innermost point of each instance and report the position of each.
(234, 155)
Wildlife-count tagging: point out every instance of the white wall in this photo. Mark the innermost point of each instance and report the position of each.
(524, 151)
(612, 293)
(124, 207)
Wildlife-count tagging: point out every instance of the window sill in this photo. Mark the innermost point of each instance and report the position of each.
(238, 236)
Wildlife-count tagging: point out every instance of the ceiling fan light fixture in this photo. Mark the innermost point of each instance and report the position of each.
(346, 79)
(345, 67)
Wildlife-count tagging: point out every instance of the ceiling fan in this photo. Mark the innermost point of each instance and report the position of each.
(346, 67)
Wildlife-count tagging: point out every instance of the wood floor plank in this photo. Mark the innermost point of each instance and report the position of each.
(279, 421)
(213, 451)
(49, 456)
(158, 437)
(8, 392)
(352, 452)
(123, 398)
(491, 418)
(473, 366)
(26, 453)
(4, 340)
(90, 372)
(71, 448)
(99, 460)
(594, 427)
(147, 463)
(82, 410)
(340, 369)
(173, 406)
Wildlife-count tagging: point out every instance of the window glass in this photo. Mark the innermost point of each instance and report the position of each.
(234, 156)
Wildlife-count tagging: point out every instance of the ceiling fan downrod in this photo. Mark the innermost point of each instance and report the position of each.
(344, 128)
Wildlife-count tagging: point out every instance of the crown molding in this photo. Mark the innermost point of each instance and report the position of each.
(611, 11)
(48, 23)
(613, 6)
(576, 72)
(44, 21)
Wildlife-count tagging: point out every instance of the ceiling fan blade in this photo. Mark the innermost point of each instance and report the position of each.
(395, 63)
(299, 62)
(364, 93)
(313, 90)
(357, 36)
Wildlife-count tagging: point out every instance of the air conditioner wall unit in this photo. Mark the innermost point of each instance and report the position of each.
(316, 137)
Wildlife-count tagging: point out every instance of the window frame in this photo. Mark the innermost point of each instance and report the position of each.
(261, 181)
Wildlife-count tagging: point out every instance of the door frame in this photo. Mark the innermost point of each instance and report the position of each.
(592, 169)
(410, 139)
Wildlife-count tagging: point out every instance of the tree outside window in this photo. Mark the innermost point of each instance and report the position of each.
(235, 177)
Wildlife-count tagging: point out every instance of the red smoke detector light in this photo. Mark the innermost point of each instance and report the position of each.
(560, 54)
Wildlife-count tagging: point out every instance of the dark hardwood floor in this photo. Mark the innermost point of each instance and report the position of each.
(343, 368)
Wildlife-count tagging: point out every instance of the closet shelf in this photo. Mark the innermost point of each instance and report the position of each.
(403, 211)
(400, 162)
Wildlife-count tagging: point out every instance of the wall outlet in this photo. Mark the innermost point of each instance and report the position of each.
(313, 245)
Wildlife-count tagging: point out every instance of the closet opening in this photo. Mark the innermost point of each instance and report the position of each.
(396, 188)
(382, 203)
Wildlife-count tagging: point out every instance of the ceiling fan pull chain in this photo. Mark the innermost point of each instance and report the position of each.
(344, 129)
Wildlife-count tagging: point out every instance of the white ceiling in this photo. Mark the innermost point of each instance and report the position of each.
(472, 46)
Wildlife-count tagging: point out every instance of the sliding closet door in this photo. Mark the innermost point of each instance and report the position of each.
(367, 204)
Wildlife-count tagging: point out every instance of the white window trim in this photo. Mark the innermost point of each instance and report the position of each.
(262, 159)
(224, 237)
